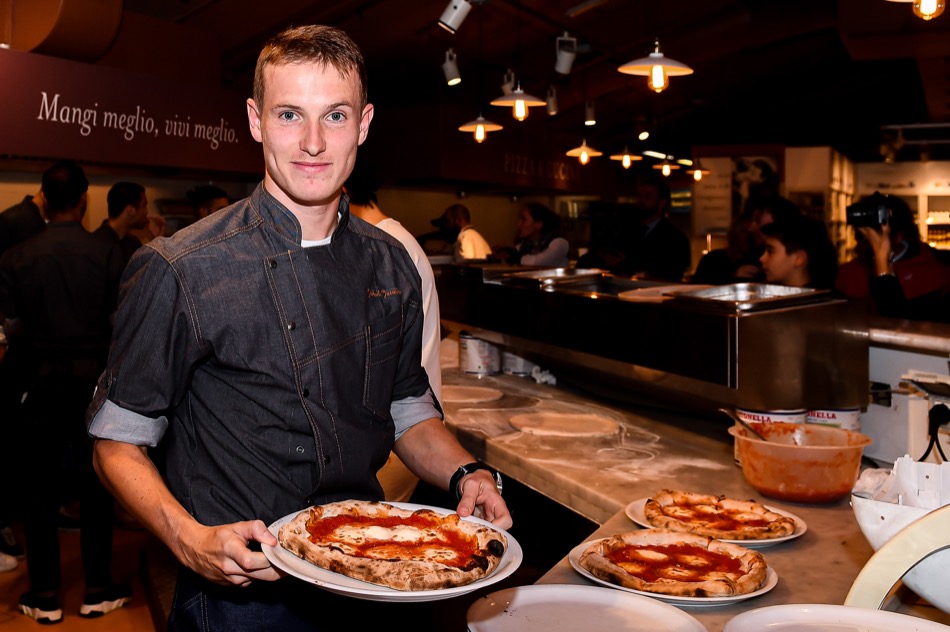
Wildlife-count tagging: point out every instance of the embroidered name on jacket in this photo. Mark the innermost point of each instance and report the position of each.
(380, 293)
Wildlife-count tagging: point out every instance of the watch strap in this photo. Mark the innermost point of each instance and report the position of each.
(467, 469)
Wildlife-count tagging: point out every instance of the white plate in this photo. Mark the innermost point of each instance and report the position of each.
(343, 585)
(657, 293)
(827, 618)
(574, 556)
(634, 511)
(568, 608)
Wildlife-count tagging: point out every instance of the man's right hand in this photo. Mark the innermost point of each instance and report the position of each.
(221, 555)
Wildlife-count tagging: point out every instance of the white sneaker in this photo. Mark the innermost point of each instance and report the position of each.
(7, 562)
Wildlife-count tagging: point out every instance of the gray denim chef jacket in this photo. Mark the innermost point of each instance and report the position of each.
(272, 366)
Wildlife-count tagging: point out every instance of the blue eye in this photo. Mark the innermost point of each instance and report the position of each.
(337, 117)
(287, 116)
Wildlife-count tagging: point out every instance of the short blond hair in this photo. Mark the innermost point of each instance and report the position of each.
(312, 44)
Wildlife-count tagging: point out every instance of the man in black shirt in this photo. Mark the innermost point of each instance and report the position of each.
(128, 210)
(58, 289)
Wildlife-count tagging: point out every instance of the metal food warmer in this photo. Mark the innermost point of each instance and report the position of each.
(756, 346)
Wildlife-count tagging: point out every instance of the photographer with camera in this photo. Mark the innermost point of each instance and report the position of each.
(901, 275)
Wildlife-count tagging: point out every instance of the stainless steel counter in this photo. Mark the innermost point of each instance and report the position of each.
(598, 476)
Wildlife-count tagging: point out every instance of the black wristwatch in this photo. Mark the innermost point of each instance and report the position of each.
(468, 469)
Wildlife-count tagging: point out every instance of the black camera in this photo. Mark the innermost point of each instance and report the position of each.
(873, 211)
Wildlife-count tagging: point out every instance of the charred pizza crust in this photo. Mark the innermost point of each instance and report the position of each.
(715, 516)
(675, 563)
(401, 549)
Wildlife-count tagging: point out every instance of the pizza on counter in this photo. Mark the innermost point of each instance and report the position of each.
(675, 563)
(405, 550)
(715, 516)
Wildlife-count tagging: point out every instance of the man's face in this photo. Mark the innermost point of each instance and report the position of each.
(777, 263)
(310, 125)
(140, 216)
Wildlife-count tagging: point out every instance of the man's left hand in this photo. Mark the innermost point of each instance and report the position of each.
(480, 498)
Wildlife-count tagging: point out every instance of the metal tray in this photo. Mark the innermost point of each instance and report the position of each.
(551, 277)
(748, 297)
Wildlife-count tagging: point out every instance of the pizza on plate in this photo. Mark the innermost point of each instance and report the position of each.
(715, 516)
(398, 548)
(675, 563)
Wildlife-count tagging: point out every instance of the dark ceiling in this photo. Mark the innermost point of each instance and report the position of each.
(799, 73)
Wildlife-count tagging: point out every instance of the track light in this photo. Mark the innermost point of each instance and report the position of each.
(454, 15)
(584, 153)
(480, 126)
(519, 102)
(566, 47)
(451, 69)
(590, 117)
(552, 101)
(657, 67)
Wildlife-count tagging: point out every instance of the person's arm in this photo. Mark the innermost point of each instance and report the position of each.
(219, 554)
(554, 254)
(434, 454)
(885, 287)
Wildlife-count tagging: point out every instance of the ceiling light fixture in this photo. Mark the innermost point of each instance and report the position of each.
(654, 154)
(519, 102)
(698, 170)
(566, 48)
(666, 167)
(590, 116)
(657, 67)
(626, 158)
(584, 153)
(480, 126)
(928, 9)
(454, 15)
(451, 69)
(552, 101)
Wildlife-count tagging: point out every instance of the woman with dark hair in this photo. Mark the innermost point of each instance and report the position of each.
(539, 240)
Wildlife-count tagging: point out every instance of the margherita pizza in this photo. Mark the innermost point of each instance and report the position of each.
(385, 545)
(715, 516)
(674, 563)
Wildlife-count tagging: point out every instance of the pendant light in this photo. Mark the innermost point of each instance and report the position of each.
(666, 167)
(519, 101)
(480, 126)
(584, 153)
(928, 9)
(626, 158)
(657, 67)
(698, 171)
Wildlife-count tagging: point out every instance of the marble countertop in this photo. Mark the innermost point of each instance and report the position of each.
(598, 476)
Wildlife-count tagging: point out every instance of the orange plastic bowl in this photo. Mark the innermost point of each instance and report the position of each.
(804, 463)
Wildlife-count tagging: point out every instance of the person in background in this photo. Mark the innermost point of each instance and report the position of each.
(799, 253)
(723, 265)
(539, 237)
(207, 199)
(899, 273)
(469, 244)
(58, 288)
(397, 481)
(128, 211)
(656, 248)
(763, 209)
(283, 360)
(17, 223)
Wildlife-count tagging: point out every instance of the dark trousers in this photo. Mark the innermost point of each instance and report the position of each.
(53, 434)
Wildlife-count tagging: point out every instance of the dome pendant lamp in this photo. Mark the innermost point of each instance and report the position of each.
(480, 126)
(626, 158)
(657, 67)
(519, 102)
(584, 153)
